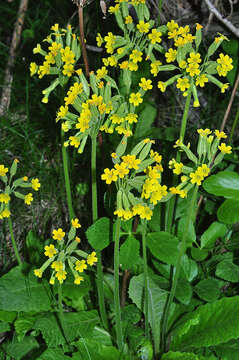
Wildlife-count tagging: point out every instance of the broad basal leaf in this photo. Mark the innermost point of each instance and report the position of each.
(18, 350)
(209, 236)
(76, 325)
(171, 355)
(228, 212)
(163, 246)
(208, 289)
(224, 183)
(53, 354)
(89, 349)
(98, 234)
(129, 253)
(19, 292)
(226, 270)
(208, 325)
(157, 298)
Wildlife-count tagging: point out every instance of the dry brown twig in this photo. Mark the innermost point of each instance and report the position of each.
(8, 78)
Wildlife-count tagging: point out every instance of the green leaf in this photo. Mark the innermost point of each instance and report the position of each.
(73, 294)
(224, 183)
(228, 212)
(145, 121)
(228, 271)
(190, 232)
(17, 350)
(53, 354)
(171, 355)
(78, 324)
(208, 325)
(228, 351)
(8, 316)
(208, 289)
(129, 253)
(23, 324)
(35, 247)
(157, 298)
(189, 267)
(183, 291)
(89, 349)
(163, 246)
(209, 236)
(199, 254)
(98, 234)
(24, 293)
(4, 326)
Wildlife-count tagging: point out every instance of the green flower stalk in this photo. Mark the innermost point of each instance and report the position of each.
(10, 188)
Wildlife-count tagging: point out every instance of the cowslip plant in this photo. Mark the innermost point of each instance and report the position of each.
(11, 188)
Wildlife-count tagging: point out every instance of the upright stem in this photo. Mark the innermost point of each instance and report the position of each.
(171, 203)
(146, 295)
(67, 177)
(119, 332)
(60, 309)
(233, 126)
(182, 249)
(82, 39)
(100, 278)
(14, 241)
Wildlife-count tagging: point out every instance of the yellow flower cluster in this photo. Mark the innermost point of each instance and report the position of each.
(64, 254)
(11, 187)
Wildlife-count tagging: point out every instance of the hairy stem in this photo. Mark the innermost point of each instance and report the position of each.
(182, 249)
(67, 177)
(146, 295)
(171, 203)
(100, 278)
(14, 241)
(119, 332)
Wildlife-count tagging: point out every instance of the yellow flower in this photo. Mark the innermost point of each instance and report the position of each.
(201, 80)
(198, 26)
(171, 55)
(225, 64)
(155, 36)
(145, 84)
(178, 168)
(220, 134)
(4, 198)
(136, 56)
(99, 40)
(121, 170)
(74, 141)
(33, 68)
(132, 66)
(78, 280)
(38, 272)
(131, 118)
(28, 199)
(61, 275)
(162, 86)
(80, 265)
(182, 64)
(50, 250)
(109, 176)
(172, 25)
(155, 67)
(135, 99)
(128, 20)
(196, 178)
(194, 58)
(204, 132)
(91, 259)
(193, 69)
(183, 84)
(75, 223)
(58, 234)
(131, 161)
(113, 9)
(203, 170)
(224, 87)
(57, 265)
(3, 170)
(225, 149)
(35, 184)
(143, 27)
(77, 239)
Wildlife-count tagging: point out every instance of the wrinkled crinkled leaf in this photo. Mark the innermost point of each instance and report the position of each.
(208, 325)
(129, 253)
(91, 349)
(171, 355)
(224, 183)
(24, 293)
(53, 354)
(163, 246)
(183, 291)
(228, 212)
(228, 271)
(208, 289)
(157, 298)
(228, 351)
(209, 236)
(76, 325)
(17, 350)
(98, 234)
(189, 267)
